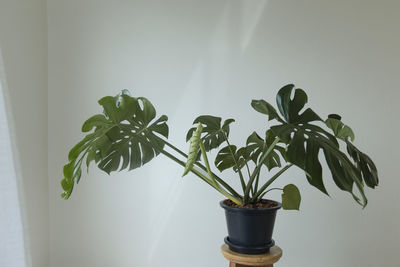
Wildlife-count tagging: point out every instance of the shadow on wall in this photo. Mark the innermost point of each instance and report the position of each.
(212, 69)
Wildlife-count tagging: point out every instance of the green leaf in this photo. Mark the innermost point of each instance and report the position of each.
(256, 146)
(94, 121)
(312, 166)
(264, 107)
(290, 109)
(110, 108)
(193, 149)
(307, 116)
(364, 164)
(340, 130)
(124, 137)
(304, 141)
(127, 107)
(303, 148)
(147, 113)
(243, 157)
(283, 131)
(296, 105)
(224, 159)
(283, 100)
(296, 152)
(340, 174)
(68, 170)
(90, 157)
(291, 197)
(213, 133)
(67, 185)
(80, 147)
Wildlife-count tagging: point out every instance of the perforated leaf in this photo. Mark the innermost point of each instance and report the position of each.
(213, 134)
(340, 130)
(226, 158)
(305, 140)
(124, 136)
(256, 146)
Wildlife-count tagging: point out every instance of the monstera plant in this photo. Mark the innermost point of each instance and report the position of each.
(128, 135)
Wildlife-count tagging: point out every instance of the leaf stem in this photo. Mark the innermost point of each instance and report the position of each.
(204, 178)
(248, 169)
(175, 148)
(180, 162)
(256, 183)
(216, 185)
(257, 169)
(263, 194)
(203, 153)
(270, 181)
(219, 180)
(237, 165)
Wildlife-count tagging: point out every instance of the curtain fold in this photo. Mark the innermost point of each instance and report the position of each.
(13, 252)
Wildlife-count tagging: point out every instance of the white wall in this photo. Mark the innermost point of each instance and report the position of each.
(23, 41)
(213, 57)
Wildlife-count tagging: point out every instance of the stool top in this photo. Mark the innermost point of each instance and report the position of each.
(274, 254)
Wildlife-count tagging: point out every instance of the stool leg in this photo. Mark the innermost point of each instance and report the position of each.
(233, 264)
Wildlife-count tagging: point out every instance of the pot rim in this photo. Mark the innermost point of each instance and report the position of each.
(251, 210)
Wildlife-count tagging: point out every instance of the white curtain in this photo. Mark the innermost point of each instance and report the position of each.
(12, 253)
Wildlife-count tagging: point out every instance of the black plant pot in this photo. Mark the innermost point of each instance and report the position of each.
(250, 229)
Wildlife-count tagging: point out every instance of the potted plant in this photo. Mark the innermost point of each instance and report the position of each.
(128, 135)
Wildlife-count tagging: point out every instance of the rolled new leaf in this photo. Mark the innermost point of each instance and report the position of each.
(214, 132)
(193, 149)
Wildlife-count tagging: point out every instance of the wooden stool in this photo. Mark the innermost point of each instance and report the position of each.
(245, 260)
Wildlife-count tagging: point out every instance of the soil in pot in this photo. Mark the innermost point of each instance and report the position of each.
(266, 204)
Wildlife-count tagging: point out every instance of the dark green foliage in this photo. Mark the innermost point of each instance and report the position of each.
(125, 136)
(226, 157)
(256, 146)
(364, 164)
(264, 107)
(305, 140)
(340, 130)
(213, 133)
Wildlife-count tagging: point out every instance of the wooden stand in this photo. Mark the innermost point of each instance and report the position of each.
(244, 260)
